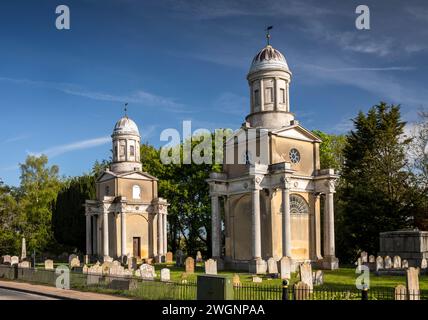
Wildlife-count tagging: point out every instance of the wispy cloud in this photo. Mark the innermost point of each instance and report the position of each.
(231, 103)
(138, 97)
(17, 138)
(79, 145)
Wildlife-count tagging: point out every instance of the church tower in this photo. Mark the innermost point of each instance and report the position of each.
(272, 200)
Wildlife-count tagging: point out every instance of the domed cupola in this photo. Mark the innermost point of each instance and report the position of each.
(126, 146)
(269, 78)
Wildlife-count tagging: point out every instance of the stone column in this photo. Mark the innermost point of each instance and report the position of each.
(215, 226)
(286, 223)
(123, 233)
(165, 233)
(326, 251)
(256, 225)
(330, 208)
(88, 235)
(105, 233)
(160, 236)
(317, 226)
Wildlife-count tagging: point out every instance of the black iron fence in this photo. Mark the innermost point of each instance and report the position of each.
(187, 290)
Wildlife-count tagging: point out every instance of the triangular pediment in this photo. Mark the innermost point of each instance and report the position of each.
(135, 175)
(297, 132)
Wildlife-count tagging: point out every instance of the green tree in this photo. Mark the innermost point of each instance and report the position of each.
(38, 189)
(375, 191)
(68, 213)
(331, 150)
(9, 218)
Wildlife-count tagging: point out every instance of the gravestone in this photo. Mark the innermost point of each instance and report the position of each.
(388, 263)
(404, 264)
(168, 257)
(301, 291)
(117, 270)
(165, 274)
(412, 283)
(107, 259)
(363, 257)
(318, 278)
(24, 264)
(116, 263)
(379, 263)
(285, 267)
(14, 260)
(272, 266)
(75, 262)
(400, 292)
(132, 263)
(198, 257)
(105, 267)
(147, 271)
(190, 265)
(372, 259)
(23, 250)
(6, 259)
(306, 274)
(257, 280)
(179, 258)
(397, 262)
(236, 281)
(424, 263)
(211, 266)
(49, 265)
(359, 262)
(71, 257)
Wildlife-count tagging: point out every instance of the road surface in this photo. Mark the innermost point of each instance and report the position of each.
(6, 294)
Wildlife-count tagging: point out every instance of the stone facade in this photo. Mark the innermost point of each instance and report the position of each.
(127, 218)
(272, 199)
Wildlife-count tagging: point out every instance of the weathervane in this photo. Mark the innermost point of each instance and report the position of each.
(126, 109)
(268, 34)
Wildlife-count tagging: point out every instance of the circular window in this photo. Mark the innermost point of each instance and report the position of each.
(298, 204)
(294, 155)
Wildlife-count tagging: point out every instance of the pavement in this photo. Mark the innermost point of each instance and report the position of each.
(10, 290)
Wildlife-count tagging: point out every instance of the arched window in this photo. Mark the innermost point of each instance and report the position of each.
(131, 151)
(298, 205)
(136, 192)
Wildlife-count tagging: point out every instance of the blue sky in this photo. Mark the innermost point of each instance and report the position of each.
(61, 92)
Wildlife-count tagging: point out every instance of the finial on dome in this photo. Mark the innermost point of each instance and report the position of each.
(126, 109)
(268, 34)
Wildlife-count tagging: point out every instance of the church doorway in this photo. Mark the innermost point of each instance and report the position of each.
(136, 247)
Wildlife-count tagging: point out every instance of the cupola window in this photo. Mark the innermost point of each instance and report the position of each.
(132, 151)
(257, 97)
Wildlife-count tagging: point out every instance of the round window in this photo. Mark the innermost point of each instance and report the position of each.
(294, 155)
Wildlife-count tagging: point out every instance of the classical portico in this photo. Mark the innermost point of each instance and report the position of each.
(272, 191)
(128, 218)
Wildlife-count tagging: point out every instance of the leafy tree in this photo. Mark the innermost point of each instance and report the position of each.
(9, 217)
(68, 216)
(375, 191)
(38, 189)
(331, 150)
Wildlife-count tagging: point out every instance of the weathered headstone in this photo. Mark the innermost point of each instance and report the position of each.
(372, 259)
(23, 250)
(168, 257)
(105, 267)
(318, 278)
(179, 258)
(412, 283)
(116, 263)
(400, 292)
(272, 266)
(424, 263)
(24, 264)
(190, 265)
(306, 274)
(107, 259)
(71, 257)
(198, 257)
(75, 262)
(6, 259)
(379, 263)
(236, 281)
(211, 266)
(359, 262)
(14, 260)
(388, 262)
(257, 280)
(285, 267)
(165, 274)
(301, 291)
(49, 264)
(397, 262)
(404, 264)
(117, 270)
(132, 263)
(363, 257)
(147, 271)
